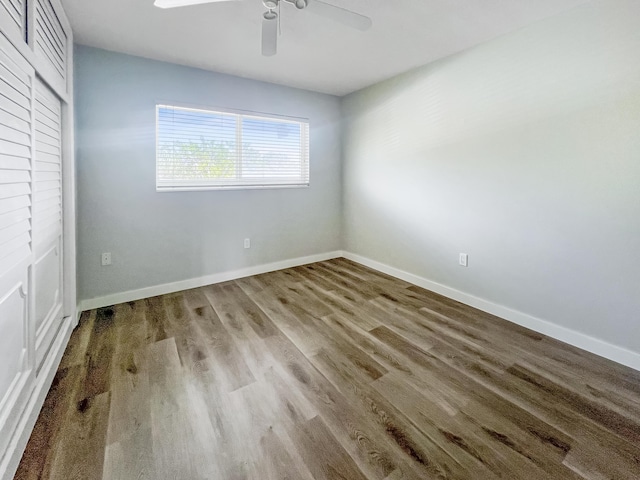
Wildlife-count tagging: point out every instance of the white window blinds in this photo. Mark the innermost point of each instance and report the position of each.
(202, 149)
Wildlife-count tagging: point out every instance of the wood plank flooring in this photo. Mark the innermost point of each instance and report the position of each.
(328, 371)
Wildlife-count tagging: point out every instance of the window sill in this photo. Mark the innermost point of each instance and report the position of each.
(234, 187)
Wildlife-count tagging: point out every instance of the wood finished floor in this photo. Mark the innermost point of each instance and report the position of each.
(328, 371)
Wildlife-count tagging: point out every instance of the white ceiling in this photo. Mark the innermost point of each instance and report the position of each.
(314, 53)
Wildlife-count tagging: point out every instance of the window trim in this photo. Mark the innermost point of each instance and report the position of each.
(193, 186)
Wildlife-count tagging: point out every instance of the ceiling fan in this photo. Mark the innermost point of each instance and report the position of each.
(271, 16)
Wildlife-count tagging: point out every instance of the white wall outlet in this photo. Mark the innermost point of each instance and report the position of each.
(464, 260)
(106, 259)
(247, 243)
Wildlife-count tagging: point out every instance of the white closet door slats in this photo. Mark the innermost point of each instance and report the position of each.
(15, 176)
(18, 138)
(45, 166)
(43, 46)
(15, 9)
(46, 234)
(14, 217)
(48, 158)
(8, 63)
(11, 148)
(52, 42)
(14, 79)
(47, 185)
(14, 251)
(14, 93)
(14, 109)
(15, 160)
(52, 124)
(48, 224)
(11, 121)
(46, 148)
(50, 38)
(44, 196)
(8, 191)
(46, 176)
(17, 251)
(17, 4)
(47, 206)
(7, 162)
(51, 19)
(49, 112)
(47, 143)
(50, 135)
(14, 231)
(12, 205)
(47, 219)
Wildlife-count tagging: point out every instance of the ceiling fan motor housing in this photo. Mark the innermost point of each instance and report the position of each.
(273, 4)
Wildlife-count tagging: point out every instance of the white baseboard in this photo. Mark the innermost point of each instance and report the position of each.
(585, 342)
(594, 345)
(163, 289)
(15, 449)
(77, 315)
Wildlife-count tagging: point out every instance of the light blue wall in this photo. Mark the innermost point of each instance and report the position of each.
(523, 152)
(158, 238)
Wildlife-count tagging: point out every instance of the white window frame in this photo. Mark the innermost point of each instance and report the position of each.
(199, 185)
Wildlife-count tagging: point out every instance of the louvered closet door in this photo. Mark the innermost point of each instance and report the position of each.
(50, 40)
(14, 14)
(47, 219)
(16, 373)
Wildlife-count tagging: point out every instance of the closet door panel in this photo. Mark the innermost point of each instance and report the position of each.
(47, 219)
(16, 256)
(13, 318)
(48, 301)
(16, 377)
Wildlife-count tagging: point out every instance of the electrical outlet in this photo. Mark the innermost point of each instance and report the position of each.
(247, 243)
(464, 260)
(106, 259)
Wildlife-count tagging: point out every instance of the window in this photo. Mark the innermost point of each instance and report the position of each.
(201, 149)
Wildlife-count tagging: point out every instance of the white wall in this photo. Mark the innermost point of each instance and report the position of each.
(524, 153)
(158, 238)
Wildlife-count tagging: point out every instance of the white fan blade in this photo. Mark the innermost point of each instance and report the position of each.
(184, 3)
(339, 14)
(269, 37)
